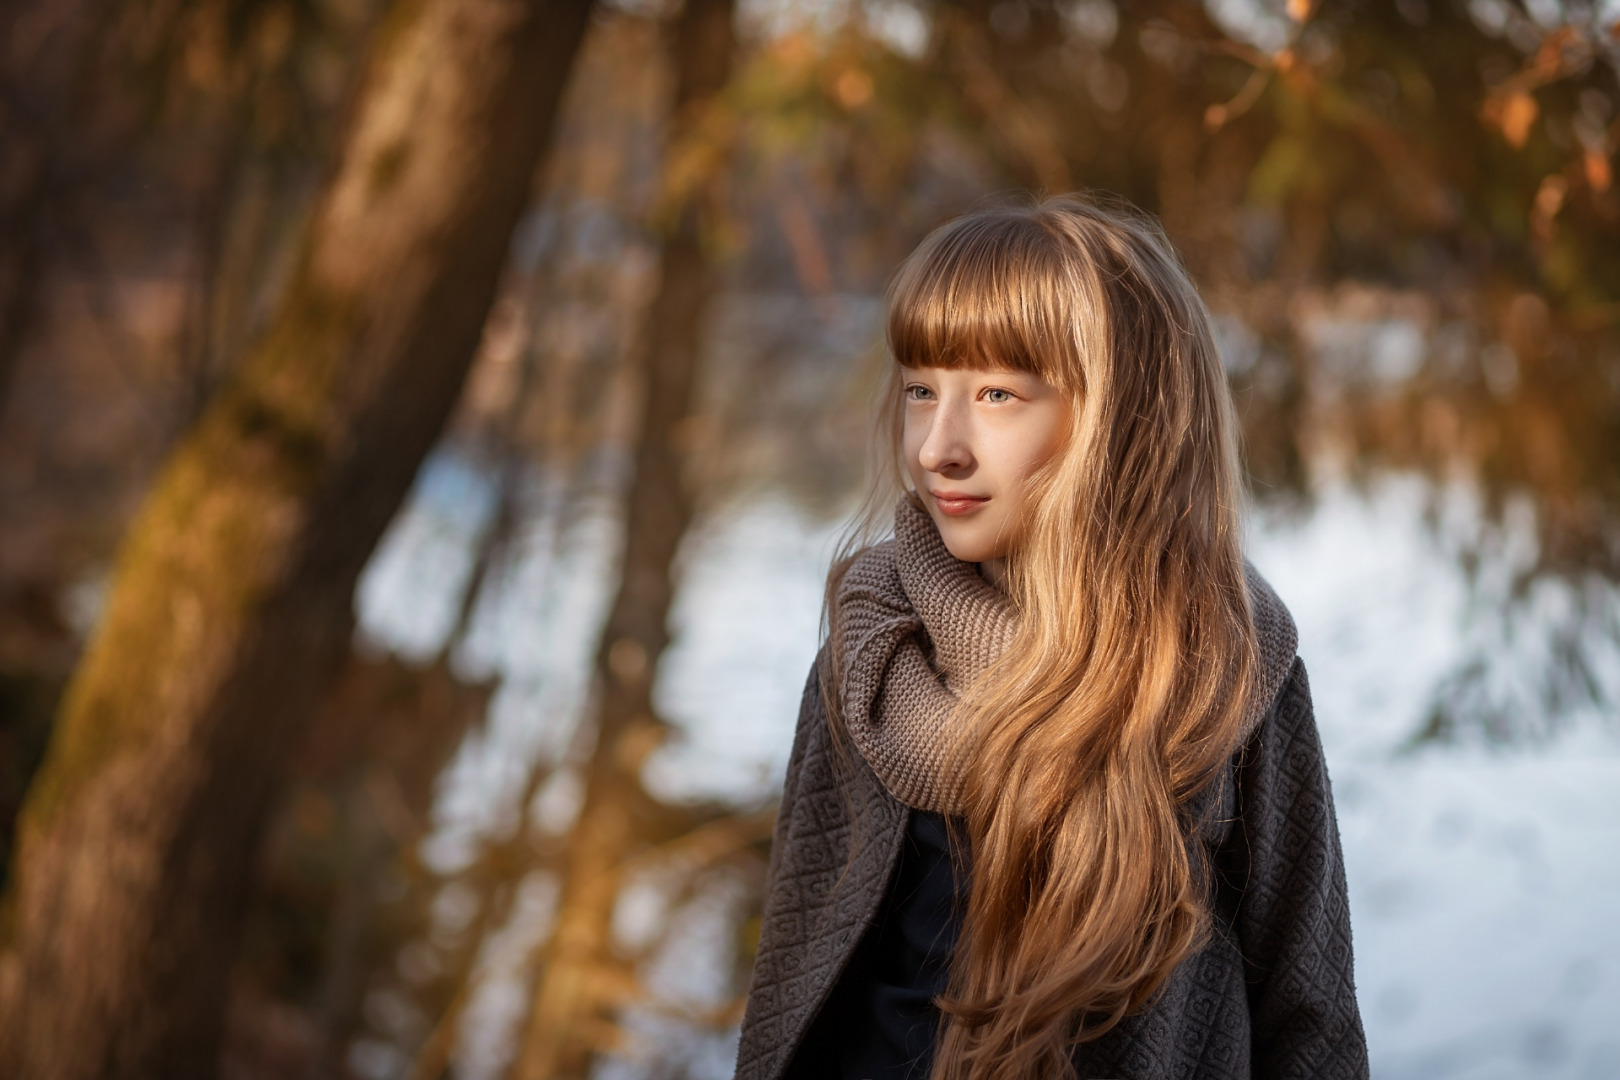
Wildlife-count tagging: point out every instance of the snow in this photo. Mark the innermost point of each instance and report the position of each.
(1484, 877)
(1484, 881)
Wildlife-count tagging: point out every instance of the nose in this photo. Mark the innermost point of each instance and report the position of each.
(947, 447)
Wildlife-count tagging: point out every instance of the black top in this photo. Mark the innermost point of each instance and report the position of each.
(879, 1021)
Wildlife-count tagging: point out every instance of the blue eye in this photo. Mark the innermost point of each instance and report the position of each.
(998, 397)
(918, 393)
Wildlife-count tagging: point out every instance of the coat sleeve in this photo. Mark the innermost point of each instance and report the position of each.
(771, 1005)
(810, 715)
(1293, 918)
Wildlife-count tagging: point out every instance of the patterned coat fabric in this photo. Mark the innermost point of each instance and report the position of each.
(1271, 995)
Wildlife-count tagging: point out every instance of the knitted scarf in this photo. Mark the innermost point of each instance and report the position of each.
(915, 626)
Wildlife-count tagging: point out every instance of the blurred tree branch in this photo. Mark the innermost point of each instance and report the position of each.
(577, 990)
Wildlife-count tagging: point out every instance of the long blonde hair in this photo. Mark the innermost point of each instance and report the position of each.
(1127, 688)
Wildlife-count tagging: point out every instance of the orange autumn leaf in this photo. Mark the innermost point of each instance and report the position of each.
(1548, 201)
(1599, 174)
(853, 88)
(1513, 113)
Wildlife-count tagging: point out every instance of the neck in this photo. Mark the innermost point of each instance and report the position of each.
(995, 572)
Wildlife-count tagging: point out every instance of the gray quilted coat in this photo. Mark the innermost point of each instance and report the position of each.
(1271, 995)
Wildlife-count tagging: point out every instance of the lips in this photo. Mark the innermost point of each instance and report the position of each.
(957, 503)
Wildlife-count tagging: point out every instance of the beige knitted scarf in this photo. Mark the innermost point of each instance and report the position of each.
(915, 625)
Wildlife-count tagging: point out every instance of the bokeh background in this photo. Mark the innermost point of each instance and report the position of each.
(425, 425)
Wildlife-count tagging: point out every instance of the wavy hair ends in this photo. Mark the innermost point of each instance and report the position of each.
(1127, 689)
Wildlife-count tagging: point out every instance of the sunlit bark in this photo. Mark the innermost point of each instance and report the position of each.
(579, 985)
(231, 601)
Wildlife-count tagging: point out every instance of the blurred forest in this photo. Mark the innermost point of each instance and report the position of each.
(262, 259)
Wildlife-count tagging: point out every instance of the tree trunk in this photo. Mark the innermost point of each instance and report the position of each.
(576, 995)
(232, 596)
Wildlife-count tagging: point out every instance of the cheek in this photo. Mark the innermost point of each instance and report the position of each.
(1016, 456)
(1046, 442)
(1019, 456)
(912, 435)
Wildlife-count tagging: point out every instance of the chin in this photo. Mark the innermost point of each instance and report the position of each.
(966, 544)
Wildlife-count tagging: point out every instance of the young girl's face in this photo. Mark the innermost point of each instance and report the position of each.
(972, 440)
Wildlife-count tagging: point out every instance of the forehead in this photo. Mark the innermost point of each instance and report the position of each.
(942, 351)
(979, 373)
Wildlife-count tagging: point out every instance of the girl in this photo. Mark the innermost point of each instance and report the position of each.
(1056, 805)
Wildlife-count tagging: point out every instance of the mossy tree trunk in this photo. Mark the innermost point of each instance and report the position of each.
(231, 601)
(577, 992)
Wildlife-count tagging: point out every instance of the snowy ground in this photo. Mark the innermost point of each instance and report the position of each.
(1485, 882)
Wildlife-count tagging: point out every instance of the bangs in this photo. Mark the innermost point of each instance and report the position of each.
(990, 290)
